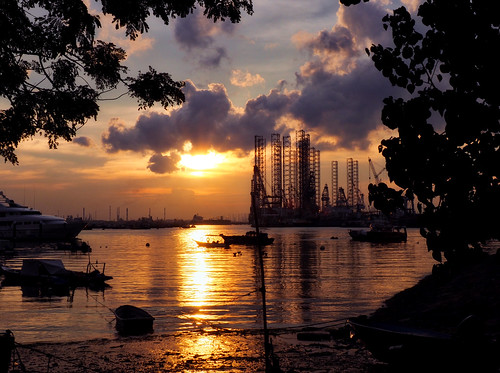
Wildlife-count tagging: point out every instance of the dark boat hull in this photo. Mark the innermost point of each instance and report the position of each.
(211, 244)
(131, 320)
(250, 239)
(378, 236)
(399, 344)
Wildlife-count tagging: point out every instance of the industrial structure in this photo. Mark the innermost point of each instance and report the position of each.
(293, 195)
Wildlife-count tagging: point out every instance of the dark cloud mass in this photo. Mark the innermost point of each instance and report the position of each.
(162, 164)
(83, 141)
(196, 32)
(339, 94)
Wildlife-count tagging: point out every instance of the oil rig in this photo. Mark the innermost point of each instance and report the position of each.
(293, 198)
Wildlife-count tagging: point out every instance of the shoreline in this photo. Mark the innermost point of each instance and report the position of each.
(235, 351)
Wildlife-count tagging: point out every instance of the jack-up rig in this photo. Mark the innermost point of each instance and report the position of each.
(295, 198)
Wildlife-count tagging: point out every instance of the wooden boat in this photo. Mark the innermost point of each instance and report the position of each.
(131, 320)
(379, 234)
(414, 349)
(52, 272)
(211, 244)
(250, 238)
(394, 343)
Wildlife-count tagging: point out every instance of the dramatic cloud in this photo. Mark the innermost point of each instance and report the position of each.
(162, 164)
(196, 32)
(83, 141)
(241, 78)
(338, 94)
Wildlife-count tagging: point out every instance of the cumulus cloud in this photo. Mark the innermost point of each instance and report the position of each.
(83, 141)
(241, 78)
(162, 164)
(196, 32)
(338, 94)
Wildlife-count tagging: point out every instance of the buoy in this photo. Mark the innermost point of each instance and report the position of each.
(322, 248)
(147, 244)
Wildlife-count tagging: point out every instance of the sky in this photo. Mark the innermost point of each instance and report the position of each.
(292, 65)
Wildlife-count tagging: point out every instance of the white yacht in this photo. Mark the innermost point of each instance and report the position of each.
(22, 223)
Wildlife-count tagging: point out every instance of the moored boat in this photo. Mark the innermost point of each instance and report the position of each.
(250, 238)
(131, 320)
(379, 234)
(395, 343)
(53, 273)
(22, 223)
(211, 244)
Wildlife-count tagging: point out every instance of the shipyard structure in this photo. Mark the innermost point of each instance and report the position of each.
(293, 196)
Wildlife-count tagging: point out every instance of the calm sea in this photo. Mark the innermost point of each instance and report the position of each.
(310, 279)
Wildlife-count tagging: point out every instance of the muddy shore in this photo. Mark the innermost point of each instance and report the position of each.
(227, 352)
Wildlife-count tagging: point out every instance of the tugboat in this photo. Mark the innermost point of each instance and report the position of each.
(22, 223)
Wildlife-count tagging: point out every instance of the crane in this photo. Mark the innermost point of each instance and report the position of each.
(375, 173)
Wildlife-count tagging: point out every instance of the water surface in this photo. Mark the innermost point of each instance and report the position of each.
(310, 279)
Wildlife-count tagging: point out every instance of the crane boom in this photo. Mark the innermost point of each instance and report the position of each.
(375, 173)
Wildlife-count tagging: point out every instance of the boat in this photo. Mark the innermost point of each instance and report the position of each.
(394, 343)
(379, 234)
(51, 272)
(468, 349)
(211, 244)
(249, 238)
(21, 223)
(131, 320)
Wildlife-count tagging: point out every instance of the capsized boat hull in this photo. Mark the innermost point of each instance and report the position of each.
(131, 320)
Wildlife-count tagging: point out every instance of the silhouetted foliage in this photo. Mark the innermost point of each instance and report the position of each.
(385, 199)
(447, 151)
(53, 71)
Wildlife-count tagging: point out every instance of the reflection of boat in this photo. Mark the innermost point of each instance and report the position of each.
(23, 223)
(53, 273)
(131, 320)
(250, 238)
(379, 233)
(397, 343)
(211, 244)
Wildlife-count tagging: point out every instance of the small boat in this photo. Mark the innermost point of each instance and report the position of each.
(395, 343)
(211, 244)
(468, 349)
(379, 234)
(131, 320)
(52, 272)
(250, 238)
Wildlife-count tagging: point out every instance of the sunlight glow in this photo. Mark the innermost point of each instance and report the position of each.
(201, 162)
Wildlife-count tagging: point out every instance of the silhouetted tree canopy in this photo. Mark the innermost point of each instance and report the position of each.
(447, 151)
(53, 71)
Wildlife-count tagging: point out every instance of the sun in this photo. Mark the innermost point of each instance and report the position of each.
(201, 162)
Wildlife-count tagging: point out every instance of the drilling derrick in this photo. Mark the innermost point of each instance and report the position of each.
(352, 183)
(289, 173)
(315, 165)
(258, 185)
(276, 171)
(335, 183)
(303, 168)
(325, 198)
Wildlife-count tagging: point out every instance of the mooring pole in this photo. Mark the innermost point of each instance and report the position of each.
(267, 345)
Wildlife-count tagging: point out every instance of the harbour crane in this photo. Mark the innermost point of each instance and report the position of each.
(375, 173)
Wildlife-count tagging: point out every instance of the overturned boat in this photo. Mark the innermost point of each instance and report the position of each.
(131, 320)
